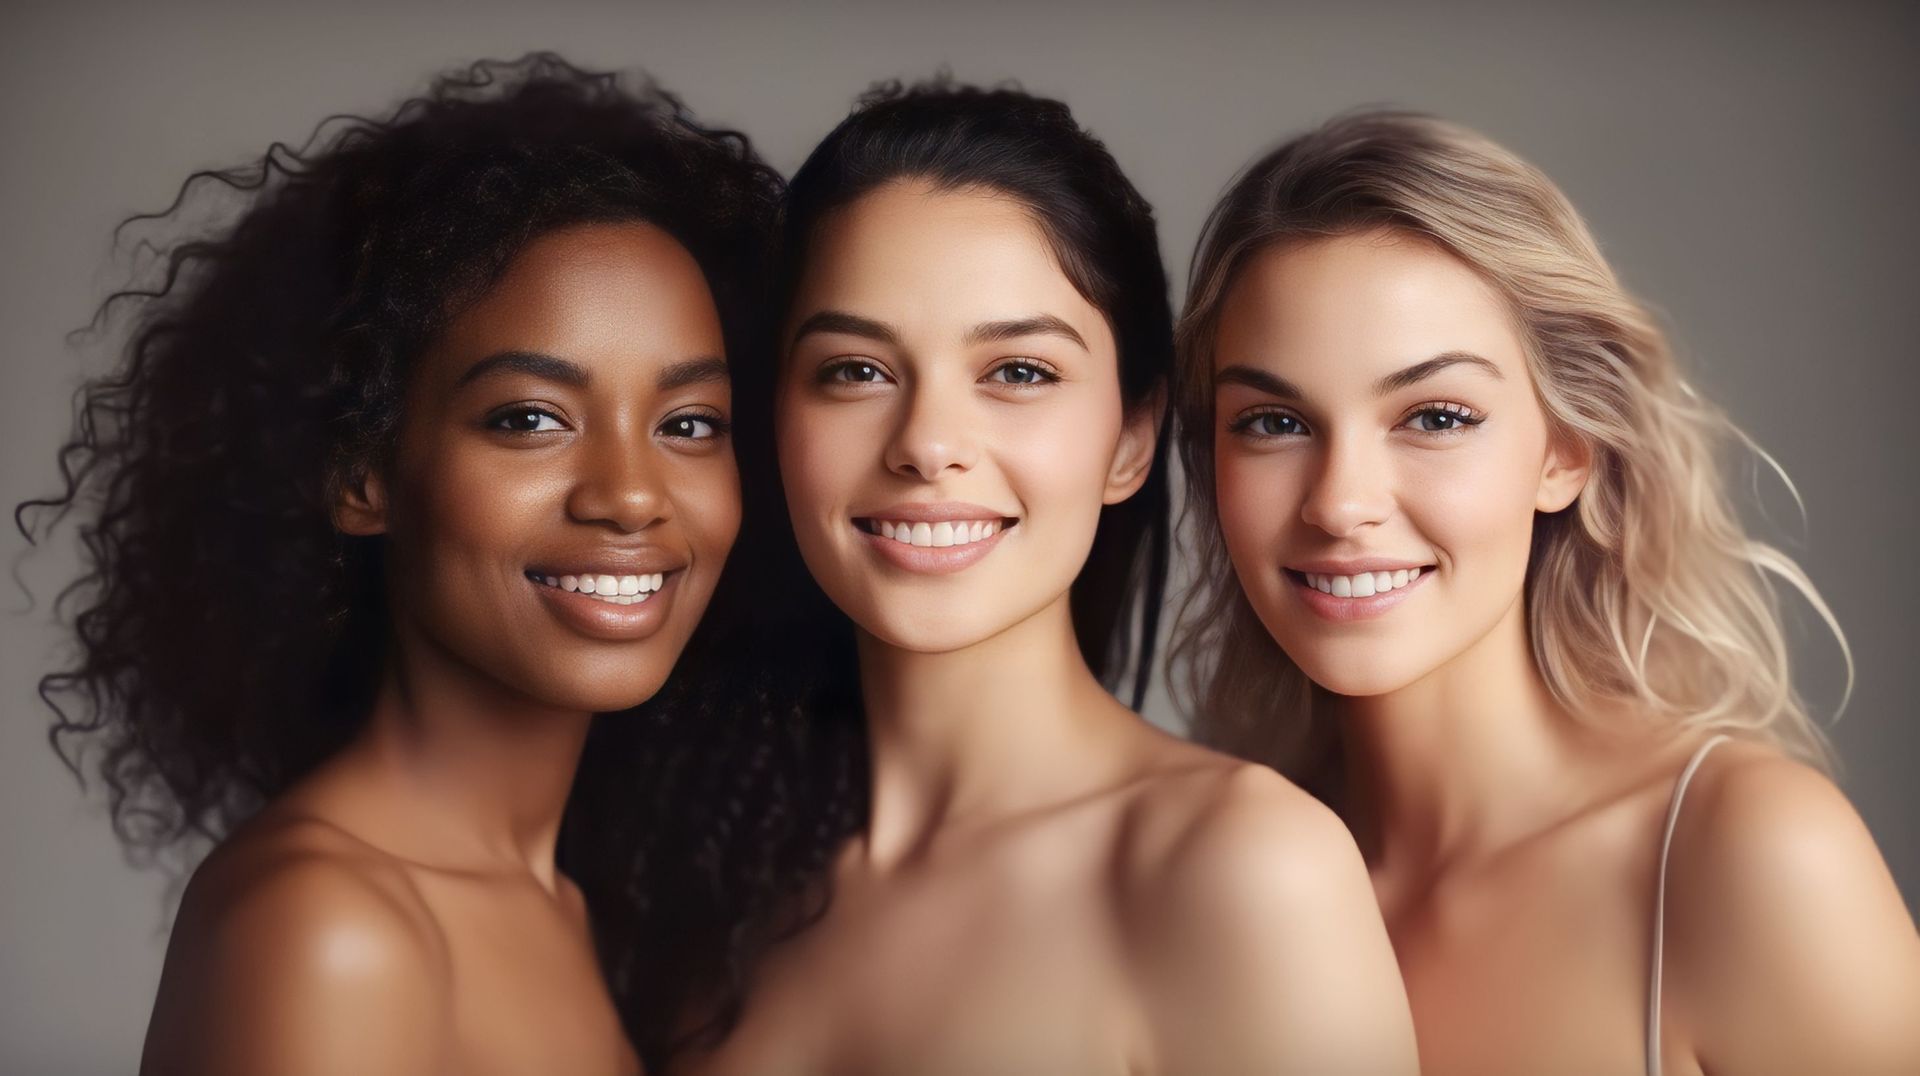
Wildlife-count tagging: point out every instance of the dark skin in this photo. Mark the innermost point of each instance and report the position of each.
(399, 910)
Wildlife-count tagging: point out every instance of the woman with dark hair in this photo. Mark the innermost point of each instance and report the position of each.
(968, 414)
(409, 470)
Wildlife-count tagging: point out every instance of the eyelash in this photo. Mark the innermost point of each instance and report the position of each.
(1465, 418)
(831, 374)
(498, 421)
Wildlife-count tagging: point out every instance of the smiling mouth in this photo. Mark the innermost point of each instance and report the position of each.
(941, 535)
(1360, 584)
(611, 589)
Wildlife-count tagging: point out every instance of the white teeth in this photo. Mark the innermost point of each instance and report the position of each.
(614, 590)
(1363, 585)
(939, 535)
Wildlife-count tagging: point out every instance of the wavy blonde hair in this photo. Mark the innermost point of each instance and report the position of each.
(1647, 591)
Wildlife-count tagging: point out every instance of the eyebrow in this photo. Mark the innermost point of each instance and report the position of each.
(839, 321)
(1420, 371)
(1037, 325)
(527, 362)
(1275, 385)
(701, 371)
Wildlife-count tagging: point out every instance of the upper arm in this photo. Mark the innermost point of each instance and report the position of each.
(304, 967)
(1786, 933)
(1273, 956)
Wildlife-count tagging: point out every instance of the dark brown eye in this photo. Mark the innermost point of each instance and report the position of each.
(525, 420)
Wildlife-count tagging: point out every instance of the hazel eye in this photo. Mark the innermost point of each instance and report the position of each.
(525, 420)
(1269, 424)
(1021, 373)
(853, 372)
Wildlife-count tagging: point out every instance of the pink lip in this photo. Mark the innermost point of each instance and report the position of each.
(614, 623)
(1355, 567)
(931, 560)
(934, 512)
(1343, 609)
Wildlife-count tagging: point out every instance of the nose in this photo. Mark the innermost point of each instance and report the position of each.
(1351, 490)
(932, 438)
(617, 485)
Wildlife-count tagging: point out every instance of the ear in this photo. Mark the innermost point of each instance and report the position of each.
(360, 504)
(1133, 456)
(1569, 461)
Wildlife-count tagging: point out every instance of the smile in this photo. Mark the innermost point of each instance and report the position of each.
(612, 589)
(938, 535)
(1357, 595)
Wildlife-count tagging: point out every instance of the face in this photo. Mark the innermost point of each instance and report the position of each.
(1380, 455)
(949, 419)
(563, 492)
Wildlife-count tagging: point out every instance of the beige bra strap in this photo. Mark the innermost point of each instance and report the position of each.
(1660, 903)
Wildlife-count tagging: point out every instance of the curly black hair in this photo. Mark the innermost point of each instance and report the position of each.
(229, 639)
(766, 873)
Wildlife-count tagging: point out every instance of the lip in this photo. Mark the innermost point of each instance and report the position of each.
(932, 560)
(1329, 607)
(588, 616)
(934, 512)
(1356, 566)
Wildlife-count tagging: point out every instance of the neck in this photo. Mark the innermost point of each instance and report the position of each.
(1012, 723)
(1466, 759)
(480, 773)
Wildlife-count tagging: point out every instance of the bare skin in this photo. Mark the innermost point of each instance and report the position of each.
(1046, 884)
(399, 911)
(1513, 846)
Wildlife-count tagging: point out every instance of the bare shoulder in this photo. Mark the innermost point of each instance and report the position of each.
(288, 933)
(1264, 948)
(1786, 932)
(1227, 827)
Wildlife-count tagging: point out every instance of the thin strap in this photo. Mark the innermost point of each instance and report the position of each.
(1660, 903)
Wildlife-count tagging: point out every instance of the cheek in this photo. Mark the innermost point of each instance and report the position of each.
(823, 451)
(1476, 506)
(1257, 495)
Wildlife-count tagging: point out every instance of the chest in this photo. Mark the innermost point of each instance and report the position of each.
(1539, 965)
(966, 972)
(527, 995)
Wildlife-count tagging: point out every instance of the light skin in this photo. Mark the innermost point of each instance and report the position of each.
(1046, 883)
(399, 910)
(1374, 409)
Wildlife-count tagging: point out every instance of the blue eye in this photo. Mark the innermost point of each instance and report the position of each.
(525, 420)
(1021, 373)
(1443, 418)
(694, 427)
(1269, 424)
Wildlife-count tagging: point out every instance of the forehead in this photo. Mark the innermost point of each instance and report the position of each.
(1363, 305)
(598, 292)
(935, 260)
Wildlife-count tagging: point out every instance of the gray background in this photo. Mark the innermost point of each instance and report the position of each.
(1750, 169)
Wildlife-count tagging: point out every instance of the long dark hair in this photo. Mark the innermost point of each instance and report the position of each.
(811, 754)
(1102, 233)
(229, 639)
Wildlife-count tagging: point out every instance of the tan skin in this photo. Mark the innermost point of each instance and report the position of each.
(1514, 846)
(399, 910)
(1047, 884)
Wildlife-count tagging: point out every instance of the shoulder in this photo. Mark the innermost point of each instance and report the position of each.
(287, 934)
(1265, 948)
(1785, 930)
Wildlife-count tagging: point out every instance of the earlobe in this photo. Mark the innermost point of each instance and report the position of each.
(360, 504)
(1133, 457)
(1569, 462)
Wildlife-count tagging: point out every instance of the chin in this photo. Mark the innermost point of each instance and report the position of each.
(596, 688)
(1356, 675)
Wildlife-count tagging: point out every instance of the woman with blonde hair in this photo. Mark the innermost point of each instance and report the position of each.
(1469, 572)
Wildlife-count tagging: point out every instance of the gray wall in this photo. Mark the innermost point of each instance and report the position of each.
(1750, 171)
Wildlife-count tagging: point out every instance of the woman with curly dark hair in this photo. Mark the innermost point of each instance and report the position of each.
(971, 378)
(410, 469)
